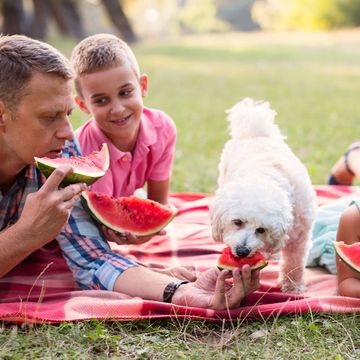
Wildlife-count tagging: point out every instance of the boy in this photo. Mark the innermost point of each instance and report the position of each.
(141, 140)
(35, 104)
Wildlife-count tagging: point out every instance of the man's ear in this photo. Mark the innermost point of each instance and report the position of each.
(81, 104)
(144, 83)
(3, 113)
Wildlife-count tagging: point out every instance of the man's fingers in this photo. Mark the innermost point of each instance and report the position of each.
(220, 290)
(54, 180)
(239, 285)
(246, 278)
(72, 191)
(255, 280)
(71, 202)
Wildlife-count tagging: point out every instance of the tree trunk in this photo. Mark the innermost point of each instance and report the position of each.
(39, 21)
(67, 17)
(120, 21)
(14, 17)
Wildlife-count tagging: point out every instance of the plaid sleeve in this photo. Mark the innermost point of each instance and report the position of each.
(72, 148)
(88, 255)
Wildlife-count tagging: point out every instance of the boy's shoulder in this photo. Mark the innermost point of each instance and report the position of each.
(158, 118)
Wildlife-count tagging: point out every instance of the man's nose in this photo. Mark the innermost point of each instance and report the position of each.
(66, 131)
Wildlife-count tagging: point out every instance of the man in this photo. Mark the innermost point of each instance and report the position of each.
(35, 104)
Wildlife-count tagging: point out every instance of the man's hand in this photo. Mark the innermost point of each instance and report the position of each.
(127, 238)
(212, 290)
(47, 210)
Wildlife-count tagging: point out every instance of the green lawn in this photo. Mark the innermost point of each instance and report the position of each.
(313, 82)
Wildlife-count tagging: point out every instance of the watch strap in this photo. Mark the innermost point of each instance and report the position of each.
(170, 289)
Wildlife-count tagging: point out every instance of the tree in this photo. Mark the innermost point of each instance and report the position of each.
(64, 12)
(67, 16)
(307, 14)
(117, 16)
(14, 17)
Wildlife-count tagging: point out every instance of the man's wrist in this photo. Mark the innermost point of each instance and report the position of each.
(171, 289)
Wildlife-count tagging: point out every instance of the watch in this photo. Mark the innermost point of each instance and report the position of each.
(170, 289)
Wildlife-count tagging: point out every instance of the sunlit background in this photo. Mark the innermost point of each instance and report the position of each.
(203, 56)
(148, 19)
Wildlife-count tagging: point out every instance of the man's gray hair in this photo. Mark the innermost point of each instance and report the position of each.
(20, 57)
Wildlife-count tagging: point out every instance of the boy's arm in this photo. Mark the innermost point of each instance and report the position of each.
(158, 190)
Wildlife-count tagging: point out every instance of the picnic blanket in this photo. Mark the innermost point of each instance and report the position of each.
(41, 288)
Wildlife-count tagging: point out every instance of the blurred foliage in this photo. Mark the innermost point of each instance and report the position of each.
(306, 14)
(200, 17)
(237, 13)
(144, 19)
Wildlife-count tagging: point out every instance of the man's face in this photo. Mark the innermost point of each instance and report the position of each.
(40, 124)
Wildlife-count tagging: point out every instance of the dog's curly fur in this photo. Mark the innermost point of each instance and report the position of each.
(265, 200)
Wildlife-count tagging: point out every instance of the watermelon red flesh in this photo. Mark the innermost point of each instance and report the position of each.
(350, 254)
(141, 217)
(87, 169)
(229, 261)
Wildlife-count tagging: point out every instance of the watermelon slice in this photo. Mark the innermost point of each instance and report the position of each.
(350, 254)
(141, 217)
(229, 261)
(87, 169)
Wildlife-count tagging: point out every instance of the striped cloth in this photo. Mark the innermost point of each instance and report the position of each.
(42, 288)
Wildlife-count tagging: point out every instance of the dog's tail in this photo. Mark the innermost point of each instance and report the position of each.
(250, 119)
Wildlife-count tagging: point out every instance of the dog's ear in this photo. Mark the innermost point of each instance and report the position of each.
(278, 237)
(217, 226)
(217, 231)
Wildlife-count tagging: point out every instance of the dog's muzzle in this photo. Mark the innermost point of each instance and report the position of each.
(242, 251)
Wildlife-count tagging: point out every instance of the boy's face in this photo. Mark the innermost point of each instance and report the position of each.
(114, 98)
(39, 126)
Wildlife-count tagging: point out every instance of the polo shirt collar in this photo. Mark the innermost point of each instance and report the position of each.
(146, 137)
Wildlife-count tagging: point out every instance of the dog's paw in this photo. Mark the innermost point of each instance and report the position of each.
(292, 287)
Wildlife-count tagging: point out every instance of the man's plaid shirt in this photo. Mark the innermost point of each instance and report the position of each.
(86, 251)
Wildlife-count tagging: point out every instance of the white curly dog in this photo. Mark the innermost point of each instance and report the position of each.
(265, 200)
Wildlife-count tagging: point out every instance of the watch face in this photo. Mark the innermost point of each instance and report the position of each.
(170, 289)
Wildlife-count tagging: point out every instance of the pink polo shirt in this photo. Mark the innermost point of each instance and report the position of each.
(152, 158)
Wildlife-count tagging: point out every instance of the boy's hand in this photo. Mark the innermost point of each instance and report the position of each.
(127, 238)
(47, 210)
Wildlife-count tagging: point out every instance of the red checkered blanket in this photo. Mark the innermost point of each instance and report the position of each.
(41, 288)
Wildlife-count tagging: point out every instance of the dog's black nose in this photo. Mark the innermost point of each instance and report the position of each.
(242, 251)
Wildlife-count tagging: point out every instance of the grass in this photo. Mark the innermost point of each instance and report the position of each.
(308, 336)
(313, 81)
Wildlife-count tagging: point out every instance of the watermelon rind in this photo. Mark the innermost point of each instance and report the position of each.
(47, 166)
(260, 265)
(86, 202)
(339, 245)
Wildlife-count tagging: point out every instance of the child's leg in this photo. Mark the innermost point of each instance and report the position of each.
(349, 233)
(347, 167)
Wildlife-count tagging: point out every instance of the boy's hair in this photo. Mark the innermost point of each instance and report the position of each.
(20, 57)
(101, 52)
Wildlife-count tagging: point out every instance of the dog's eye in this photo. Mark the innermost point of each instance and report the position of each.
(260, 230)
(237, 222)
